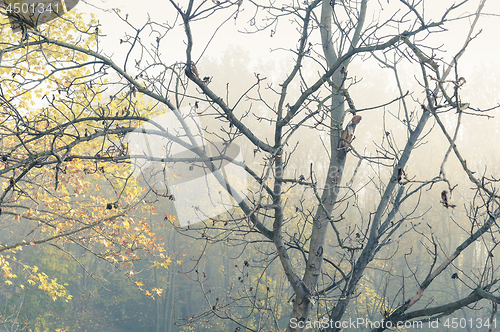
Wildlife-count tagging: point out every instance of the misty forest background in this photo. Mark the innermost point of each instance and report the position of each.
(217, 277)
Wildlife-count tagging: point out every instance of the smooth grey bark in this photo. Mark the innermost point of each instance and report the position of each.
(370, 249)
(371, 246)
(303, 303)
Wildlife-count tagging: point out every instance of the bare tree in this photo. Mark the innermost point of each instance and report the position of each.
(323, 247)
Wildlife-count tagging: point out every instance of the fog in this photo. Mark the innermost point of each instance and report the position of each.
(411, 243)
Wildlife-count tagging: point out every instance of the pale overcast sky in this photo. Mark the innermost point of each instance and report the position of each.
(485, 49)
